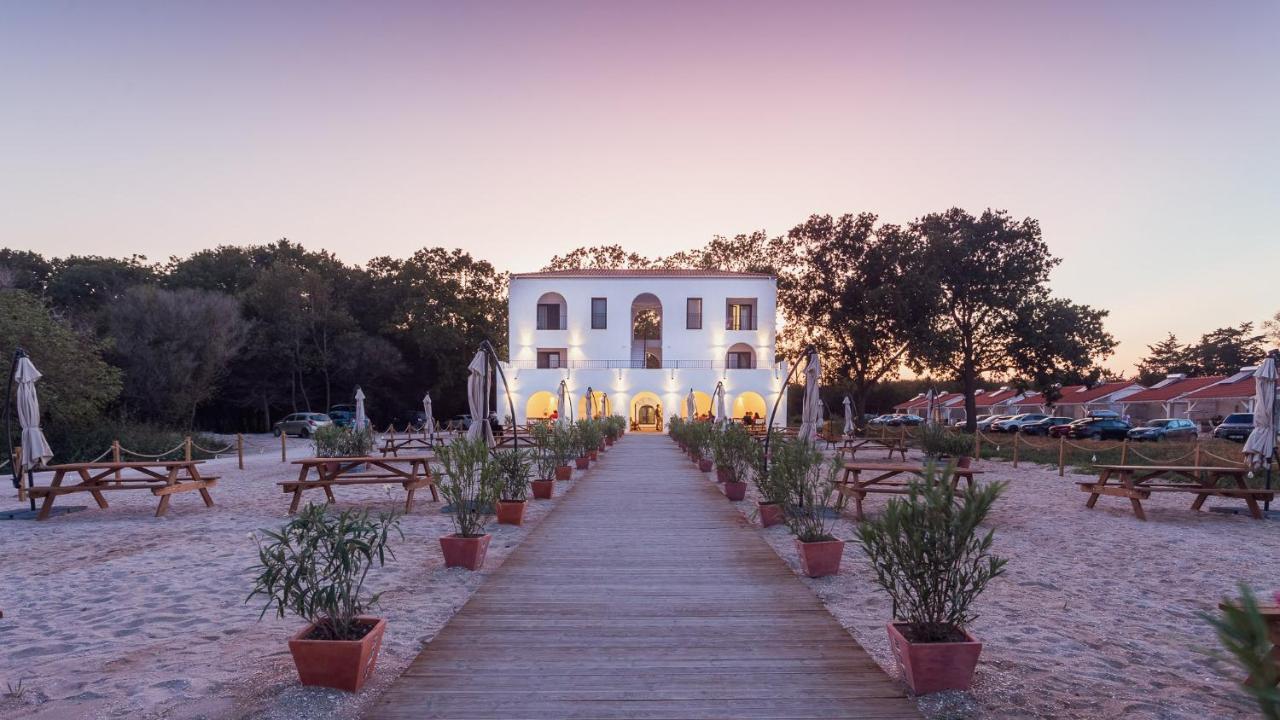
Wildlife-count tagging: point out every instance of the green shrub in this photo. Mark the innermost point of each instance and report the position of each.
(929, 557)
(938, 441)
(471, 484)
(87, 443)
(512, 468)
(315, 567)
(1245, 635)
(562, 444)
(335, 441)
(735, 451)
(697, 437)
(588, 436)
(805, 486)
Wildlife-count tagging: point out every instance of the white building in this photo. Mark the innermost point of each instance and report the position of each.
(640, 340)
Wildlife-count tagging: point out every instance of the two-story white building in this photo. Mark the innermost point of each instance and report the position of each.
(640, 341)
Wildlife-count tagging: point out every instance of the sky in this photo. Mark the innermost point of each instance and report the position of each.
(1144, 136)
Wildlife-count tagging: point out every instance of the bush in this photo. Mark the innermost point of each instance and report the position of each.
(334, 441)
(806, 486)
(512, 468)
(470, 483)
(562, 444)
(735, 451)
(315, 568)
(927, 554)
(697, 437)
(1245, 635)
(86, 443)
(938, 441)
(587, 436)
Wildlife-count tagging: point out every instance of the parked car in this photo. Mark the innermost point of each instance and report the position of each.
(1236, 427)
(343, 415)
(879, 420)
(463, 422)
(1102, 414)
(1164, 429)
(1099, 429)
(1015, 423)
(985, 425)
(1063, 429)
(962, 423)
(301, 424)
(1043, 426)
(908, 420)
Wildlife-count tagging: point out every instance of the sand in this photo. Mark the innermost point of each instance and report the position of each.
(1096, 616)
(111, 613)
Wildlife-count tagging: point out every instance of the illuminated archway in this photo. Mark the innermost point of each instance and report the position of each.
(598, 409)
(646, 412)
(701, 403)
(749, 402)
(540, 406)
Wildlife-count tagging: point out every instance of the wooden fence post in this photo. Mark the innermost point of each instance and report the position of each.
(1062, 454)
(115, 456)
(283, 435)
(1124, 452)
(186, 449)
(1197, 453)
(240, 450)
(1015, 448)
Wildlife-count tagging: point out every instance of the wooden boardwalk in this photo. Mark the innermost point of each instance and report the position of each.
(644, 595)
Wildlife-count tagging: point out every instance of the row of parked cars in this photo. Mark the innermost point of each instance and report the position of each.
(1105, 425)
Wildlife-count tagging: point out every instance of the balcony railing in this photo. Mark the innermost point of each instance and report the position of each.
(630, 365)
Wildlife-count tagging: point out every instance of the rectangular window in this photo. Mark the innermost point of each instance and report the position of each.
(739, 360)
(599, 313)
(549, 316)
(549, 359)
(693, 314)
(740, 315)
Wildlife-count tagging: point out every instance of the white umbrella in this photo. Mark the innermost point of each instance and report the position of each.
(428, 422)
(591, 403)
(722, 415)
(811, 410)
(1262, 441)
(35, 449)
(848, 416)
(361, 420)
(691, 406)
(478, 399)
(563, 419)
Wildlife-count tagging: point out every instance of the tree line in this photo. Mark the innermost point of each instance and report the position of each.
(1220, 352)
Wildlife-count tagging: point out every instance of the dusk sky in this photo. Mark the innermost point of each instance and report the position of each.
(1144, 136)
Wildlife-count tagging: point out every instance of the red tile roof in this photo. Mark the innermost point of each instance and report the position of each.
(996, 396)
(1172, 390)
(637, 272)
(1245, 387)
(1081, 394)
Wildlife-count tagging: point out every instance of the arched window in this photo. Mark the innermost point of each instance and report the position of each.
(553, 312)
(740, 357)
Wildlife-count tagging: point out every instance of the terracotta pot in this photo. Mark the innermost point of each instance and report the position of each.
(563, 472)
(822, 558)
(735, 491)
(602, 446)
(608, 441)
(466, 552)
(544, 489)
(511, 512)
(582, 463)
(593, 455)
(770, 514)
(722, 475)
(932, 667)
(337, 664)
(963, 461)
(705, 464)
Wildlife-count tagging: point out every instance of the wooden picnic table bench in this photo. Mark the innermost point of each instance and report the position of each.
(411, 472)
(392, 445)
(851, 446)
(163, 478)
(1135, 483)
(852, 485)
(503, 442)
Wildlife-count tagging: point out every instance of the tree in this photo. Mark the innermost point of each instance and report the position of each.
(174, 346)
(1272, 328)
(854, 292)
(1056, 343)
(1163, 359)
(601, 256)
(646, 326)
(991, 273)
(1226, 350)
(24, 270)
(83, 286)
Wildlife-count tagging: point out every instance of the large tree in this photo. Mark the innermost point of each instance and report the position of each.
(1056, 343)
(1163, 359)
(1226, 350)
(991, 274)
(854, 292)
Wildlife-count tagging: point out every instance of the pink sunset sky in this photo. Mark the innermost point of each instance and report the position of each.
(1143, 135)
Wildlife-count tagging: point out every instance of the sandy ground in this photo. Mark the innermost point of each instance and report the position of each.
(111, 613)
(1096, 616)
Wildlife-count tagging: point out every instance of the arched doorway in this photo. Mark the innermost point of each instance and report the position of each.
(540, 406)
(599, 408)
(646, 331)
(701, 404)
(646, 412)
(749, 402)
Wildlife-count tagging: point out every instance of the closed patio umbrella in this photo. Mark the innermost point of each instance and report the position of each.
(811, 409)
(35, 449)
(848, 416)
(428, 421)
(691, 406)
(563, 420)
(591, 403)
(722, 414)
(361, 420)
(478, 399)
(1261, 444)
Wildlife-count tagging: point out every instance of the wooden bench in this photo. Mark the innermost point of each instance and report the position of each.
(851, 484)
(853, 445)
(163, 478)
(392, 445)
(1135, 483)
(355, 471)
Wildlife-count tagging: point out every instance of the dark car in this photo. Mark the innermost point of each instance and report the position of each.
(1043, 426)
(908, 420)
(1164, 429)
(1099, 429)
(343, 415)
(1236, 427)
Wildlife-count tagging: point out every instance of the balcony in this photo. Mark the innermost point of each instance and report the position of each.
(629, 365)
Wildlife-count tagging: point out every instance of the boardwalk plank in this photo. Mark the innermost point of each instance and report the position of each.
(644, 595)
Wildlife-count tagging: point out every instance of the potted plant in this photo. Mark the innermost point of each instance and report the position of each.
(930, 557)
(315, 567)
(810, 489)
(332, 441)
(698, 439)
(676, 428)
(614, 425)
(940, 443)
(512, 468)
(471, 486)
(735, 453)
(561, 444)
(588, 432)
(773, 484)
(546, 464)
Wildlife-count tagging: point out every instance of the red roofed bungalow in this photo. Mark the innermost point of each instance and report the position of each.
(1229, 395)
(1078, 401)
(1162, 400)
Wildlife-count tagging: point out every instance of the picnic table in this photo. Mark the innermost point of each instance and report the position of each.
(852, 484)
(853, 445)
(503, 442)
(411, 472)
(1135, 483)
(164, 478)
(392, 445)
